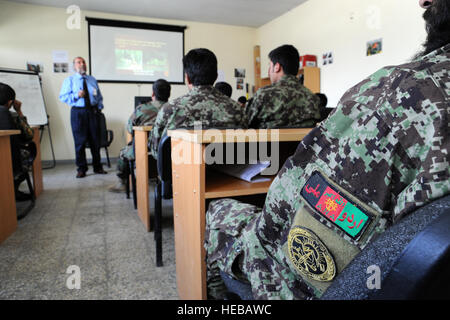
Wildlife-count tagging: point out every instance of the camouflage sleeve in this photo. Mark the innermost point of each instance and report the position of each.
(252, 110)
(131, 121)
(26, 131)
(164, 118)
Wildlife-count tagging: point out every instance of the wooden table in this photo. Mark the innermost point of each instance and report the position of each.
(142, 173)
(38, 183)
(8, 214)
(193, 185)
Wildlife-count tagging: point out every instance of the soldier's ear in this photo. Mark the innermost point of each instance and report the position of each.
(277, 67)
(188, 80)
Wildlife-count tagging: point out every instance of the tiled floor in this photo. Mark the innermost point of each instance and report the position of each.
(78, 222)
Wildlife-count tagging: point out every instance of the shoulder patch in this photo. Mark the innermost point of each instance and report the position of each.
(309, 255)
(327, 200)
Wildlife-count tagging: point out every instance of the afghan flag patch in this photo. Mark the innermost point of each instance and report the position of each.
(329, 202)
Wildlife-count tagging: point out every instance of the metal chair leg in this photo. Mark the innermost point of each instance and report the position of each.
(133, 184)
(127, 182)
(107, 157)
(157, 229)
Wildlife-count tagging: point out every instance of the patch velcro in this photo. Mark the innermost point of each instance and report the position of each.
(328, 201)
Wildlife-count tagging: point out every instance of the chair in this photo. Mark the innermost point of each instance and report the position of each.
(22, 174)
(163, 190)
(106, 136)
(152, 173)
(413, 256)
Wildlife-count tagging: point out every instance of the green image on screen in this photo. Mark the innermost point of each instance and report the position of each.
(129, 59)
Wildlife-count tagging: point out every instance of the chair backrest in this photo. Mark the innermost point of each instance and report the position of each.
(411, 259)
(103, 130)
(164, 166)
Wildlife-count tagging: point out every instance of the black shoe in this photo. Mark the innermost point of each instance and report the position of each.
(100, 171)
(22, 196)
(81, 174)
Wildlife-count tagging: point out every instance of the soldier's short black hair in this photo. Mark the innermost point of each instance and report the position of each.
(225, 88)
(201, 66)
(6, 94)
(323, 100)
(242, 99)
(288, 57)
(437, 18)
(161, 89)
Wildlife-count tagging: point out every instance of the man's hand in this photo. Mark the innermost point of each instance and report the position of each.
(81, 94)
(17, 105)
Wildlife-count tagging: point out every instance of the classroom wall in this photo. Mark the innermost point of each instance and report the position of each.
(31, 33)
(343, 27)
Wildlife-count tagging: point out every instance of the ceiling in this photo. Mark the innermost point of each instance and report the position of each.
(250, 13)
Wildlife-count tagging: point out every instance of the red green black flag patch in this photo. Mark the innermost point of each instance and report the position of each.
(328, 201)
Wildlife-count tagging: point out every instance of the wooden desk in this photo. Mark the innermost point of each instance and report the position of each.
(193, 185)
(142, 173)
(38, 183)
(8, 214)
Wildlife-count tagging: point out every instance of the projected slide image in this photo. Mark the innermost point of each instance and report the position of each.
(128, 60)
(156, 62)
(141, 57)
(122, 54)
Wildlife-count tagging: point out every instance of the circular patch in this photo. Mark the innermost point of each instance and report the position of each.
(310, 256)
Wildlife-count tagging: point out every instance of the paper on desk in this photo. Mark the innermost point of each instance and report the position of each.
(247, 172)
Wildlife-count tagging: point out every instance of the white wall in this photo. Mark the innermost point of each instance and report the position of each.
(31, 33)
(343, 27)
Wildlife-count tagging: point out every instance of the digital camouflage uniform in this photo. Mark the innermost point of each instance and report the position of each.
(380, 155)
(286, 103)
(203, 105)
(144, 115)
(26, 135)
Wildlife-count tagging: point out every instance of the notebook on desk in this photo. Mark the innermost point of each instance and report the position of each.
(247, 172)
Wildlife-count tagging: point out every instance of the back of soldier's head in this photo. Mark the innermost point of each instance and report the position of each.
(323, 100)
(6, 94)
(225, 88)
(242, 99)
(201, 66)
(288, 57)
(161, 89)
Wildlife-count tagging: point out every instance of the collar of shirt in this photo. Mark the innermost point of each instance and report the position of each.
(287, 78)
(79, 76)
(201, 89)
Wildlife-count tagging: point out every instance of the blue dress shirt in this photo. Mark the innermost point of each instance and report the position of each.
(73, 84)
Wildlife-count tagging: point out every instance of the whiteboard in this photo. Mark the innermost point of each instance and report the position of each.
(28, 91)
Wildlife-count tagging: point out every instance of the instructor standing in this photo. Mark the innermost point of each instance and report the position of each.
(81, 92)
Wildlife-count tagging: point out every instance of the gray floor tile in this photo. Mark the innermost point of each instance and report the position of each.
(78, 222)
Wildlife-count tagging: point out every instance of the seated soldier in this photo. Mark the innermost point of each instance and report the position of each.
(15, 121)
(242, 101)
(203, 105)
(225, 88)
(380, 155)
(143, 115)
(324, 111)
(286, 103)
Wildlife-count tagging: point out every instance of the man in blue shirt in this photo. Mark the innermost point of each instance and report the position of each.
(81, 92)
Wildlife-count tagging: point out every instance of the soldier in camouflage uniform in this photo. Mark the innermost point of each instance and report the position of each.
(380, 155)
(203, 105)
(286, 102)
(15, 121)
(143, 115)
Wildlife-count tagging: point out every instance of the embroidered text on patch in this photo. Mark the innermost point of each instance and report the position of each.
(329, 202)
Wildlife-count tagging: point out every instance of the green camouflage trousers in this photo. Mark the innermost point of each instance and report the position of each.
(225, 220)
(126, 154)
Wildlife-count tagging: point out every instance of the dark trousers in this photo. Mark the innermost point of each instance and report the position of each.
(85, 129)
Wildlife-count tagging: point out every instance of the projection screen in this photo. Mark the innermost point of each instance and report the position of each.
(123, 51)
